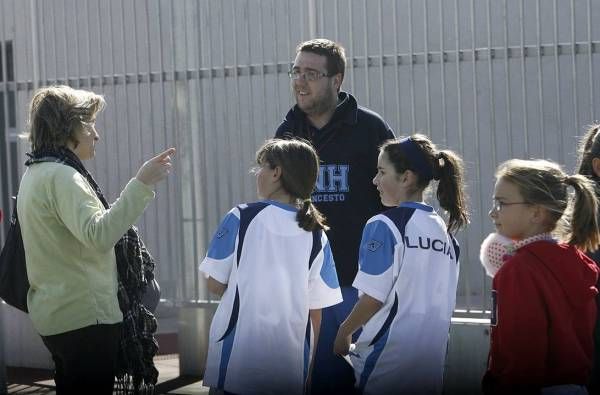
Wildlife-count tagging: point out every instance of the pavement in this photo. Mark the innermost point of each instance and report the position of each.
(39, 381)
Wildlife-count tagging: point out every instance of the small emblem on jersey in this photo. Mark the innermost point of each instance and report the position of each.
(494, 317)
(373, 245)
(222, 232)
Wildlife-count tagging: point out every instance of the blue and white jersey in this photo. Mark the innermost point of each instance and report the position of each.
(409, 262)
(260, 336)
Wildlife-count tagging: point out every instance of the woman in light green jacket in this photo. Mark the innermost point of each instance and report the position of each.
(69, 235)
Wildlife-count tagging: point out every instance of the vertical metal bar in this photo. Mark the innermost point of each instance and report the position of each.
(125, 88)
(366, 48)
(381, 59)
(590, 60)
(484, 283)
(42, 48)
(411, 68)
(155, 207)
(460, 123)
(111, 53)
(138, 94)
(191, 164)
(397, 66)
(137, 80)
(88, 46)
(34, 50)
(276, 62)
(427, 74)
(251, 89)
(5, 93)
(336, 22)
(319, 18)
(540, 79)
(55, 41)
(228, 164)
(351, 38)
(288, 31)
(8, 88)
(176, 126)
(65, 41)
(203, 169)
(507, 82)
(174, 223)
(312, 23)
(476, 114)
(523, 79)
(215, 148)
(304, 23)
(574, 68)
(443, 72)
(262, 54)
(76, 45)
(491, 81)
(557, 75)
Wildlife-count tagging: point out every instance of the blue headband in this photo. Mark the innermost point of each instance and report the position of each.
(417, 159)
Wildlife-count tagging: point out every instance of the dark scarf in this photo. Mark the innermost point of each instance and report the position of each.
(136, 373)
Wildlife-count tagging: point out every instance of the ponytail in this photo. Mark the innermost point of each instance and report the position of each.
(418, 154)
(448, 169)
(309, 218)
(544, 183)
(582, 223)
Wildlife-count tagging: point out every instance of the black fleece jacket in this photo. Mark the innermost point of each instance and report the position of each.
(348, 149)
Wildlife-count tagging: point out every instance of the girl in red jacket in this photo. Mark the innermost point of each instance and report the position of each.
(543, 296)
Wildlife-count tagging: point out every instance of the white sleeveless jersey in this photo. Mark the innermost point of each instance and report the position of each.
(260, 336)
(409, 262)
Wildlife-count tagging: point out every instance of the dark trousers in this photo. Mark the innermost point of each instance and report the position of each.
(85, 359)
(332, 375)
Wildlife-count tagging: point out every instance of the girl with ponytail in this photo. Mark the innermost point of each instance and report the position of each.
(272, 264)
(589, 166)
(543, 295)
(408, 272)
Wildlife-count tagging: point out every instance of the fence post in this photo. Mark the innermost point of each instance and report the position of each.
(194, 326)
(3, 381)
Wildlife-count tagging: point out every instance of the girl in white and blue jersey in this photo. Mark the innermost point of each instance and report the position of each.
(272, 264)
(408, 273)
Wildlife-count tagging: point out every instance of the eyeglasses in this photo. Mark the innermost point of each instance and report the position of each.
(497, 205)
(308, 75)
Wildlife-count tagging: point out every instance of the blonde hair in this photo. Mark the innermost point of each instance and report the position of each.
(56, 113)
(544, 183)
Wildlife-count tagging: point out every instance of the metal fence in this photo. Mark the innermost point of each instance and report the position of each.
(491, 79)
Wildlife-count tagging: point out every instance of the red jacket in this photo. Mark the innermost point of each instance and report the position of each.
(543, 318)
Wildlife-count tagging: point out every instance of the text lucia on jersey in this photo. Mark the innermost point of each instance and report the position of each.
(425, 243)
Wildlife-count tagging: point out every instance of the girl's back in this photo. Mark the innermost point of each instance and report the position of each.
(411, 262)
(275, 273)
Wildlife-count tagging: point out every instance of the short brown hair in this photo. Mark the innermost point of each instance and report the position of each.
(56, 113)
(334, 52)
(299, 164)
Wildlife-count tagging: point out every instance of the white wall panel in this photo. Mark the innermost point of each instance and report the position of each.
(490, 79)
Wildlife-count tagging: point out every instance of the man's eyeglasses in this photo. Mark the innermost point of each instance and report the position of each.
(497, 205)
(308, 75)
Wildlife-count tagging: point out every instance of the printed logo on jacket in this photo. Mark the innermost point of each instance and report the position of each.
(332, 184)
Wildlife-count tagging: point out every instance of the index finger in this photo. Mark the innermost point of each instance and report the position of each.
(163, 154)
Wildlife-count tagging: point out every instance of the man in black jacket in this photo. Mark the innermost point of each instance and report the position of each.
(347, 138)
